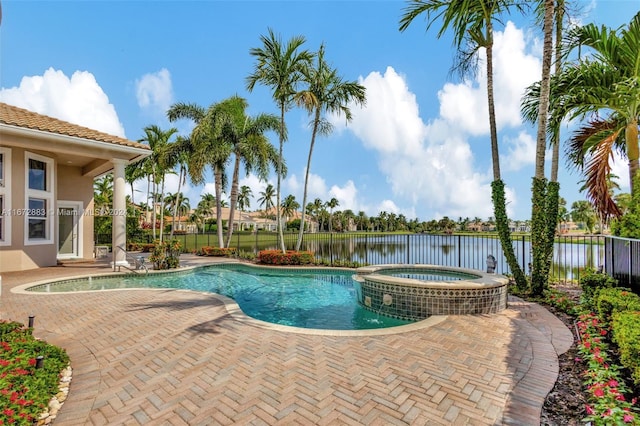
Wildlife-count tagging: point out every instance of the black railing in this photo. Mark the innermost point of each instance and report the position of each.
(620, 258)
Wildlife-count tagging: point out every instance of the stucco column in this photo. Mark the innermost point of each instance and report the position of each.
(119, 214)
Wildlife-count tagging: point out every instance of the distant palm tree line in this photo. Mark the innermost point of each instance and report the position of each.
(328, 219)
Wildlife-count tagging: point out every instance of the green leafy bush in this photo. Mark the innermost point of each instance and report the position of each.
(219, 251)
(166, 254)
(591, 282)
(617, 299)
(291, 257)
(626, 334)
(26, 390)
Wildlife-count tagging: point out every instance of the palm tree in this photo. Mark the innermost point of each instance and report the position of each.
(601, 89)
(205, 206)
(472, 25)
(244, 198)
(266, 198)
(289, 207)
(250, 147)
(281, 68)
(582, 211)
(159, 162)
(318, 206)
(211, 147)
(332, 204)
(103, 193)
(325, 92)
(362, 220)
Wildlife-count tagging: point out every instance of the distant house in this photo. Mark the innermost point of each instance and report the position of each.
(47, 169)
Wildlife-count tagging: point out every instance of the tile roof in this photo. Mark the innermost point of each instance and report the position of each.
(20, 117)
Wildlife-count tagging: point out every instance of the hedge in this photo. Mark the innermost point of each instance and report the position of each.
(626, 334)
(291, 257)
(618, 299)
(219, 251)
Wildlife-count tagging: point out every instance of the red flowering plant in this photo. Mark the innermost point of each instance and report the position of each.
(26, 390)
(606, 391)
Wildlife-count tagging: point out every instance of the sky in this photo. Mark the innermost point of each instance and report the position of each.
(419, 147)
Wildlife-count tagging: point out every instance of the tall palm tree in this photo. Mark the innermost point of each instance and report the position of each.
(289, 207)
(331, 204)
(325, 92)
(266, 198)
(160, 163)
(180, 152)
(210, 147)
(472, 25)
(244, 198)
(279, 66)
(250, 147)
(205, 206)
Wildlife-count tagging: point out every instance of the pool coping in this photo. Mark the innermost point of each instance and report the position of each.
(232, 308)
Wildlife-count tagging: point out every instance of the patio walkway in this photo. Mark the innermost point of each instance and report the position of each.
(176, 357)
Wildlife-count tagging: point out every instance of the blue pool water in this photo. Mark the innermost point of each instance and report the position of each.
(314, 298)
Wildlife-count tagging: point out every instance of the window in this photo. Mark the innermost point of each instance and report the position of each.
(39, 203)
(5, 196)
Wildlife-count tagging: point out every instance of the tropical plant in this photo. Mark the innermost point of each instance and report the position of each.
(472, 26)
(325, 92)
(279, 66)
(250, 147)
(103, 193)
(582, 211)
(160, 163)
(331, 204)
(601, 88)
(289, 207)
(210, 147)
(266, 198)
(244, 198)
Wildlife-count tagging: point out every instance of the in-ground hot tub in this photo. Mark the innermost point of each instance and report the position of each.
(416, 292)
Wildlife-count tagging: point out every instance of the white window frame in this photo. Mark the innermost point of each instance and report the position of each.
(5, 194)
(47, 195)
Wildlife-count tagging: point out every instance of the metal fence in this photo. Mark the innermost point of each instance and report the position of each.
(618, 257)
(622, 261)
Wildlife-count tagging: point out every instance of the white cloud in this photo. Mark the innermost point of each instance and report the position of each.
(79, 99)
(521, 152)
(346, 195)
(154, 91)
(514, 69)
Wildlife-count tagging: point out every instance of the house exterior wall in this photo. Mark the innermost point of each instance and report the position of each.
(68, 185)
(72, 186)
(17, 255)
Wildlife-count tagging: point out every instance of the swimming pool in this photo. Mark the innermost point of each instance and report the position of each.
(318, 298)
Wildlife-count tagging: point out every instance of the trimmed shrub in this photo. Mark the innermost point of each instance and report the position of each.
(219, 251)
(617, 299)
(291, 257)
(166, 255)
(591, 282)
(626, 334)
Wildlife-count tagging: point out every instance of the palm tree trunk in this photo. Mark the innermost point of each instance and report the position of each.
(306, 178)
(177, 201)
(539, 202)
(234, 199)
(153, 212)
(633, 152)
(553, 187)
(218, 185)
(279, 179)
(162, 209)
(497, 186)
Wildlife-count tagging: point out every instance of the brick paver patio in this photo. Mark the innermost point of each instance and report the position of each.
(175, 357)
